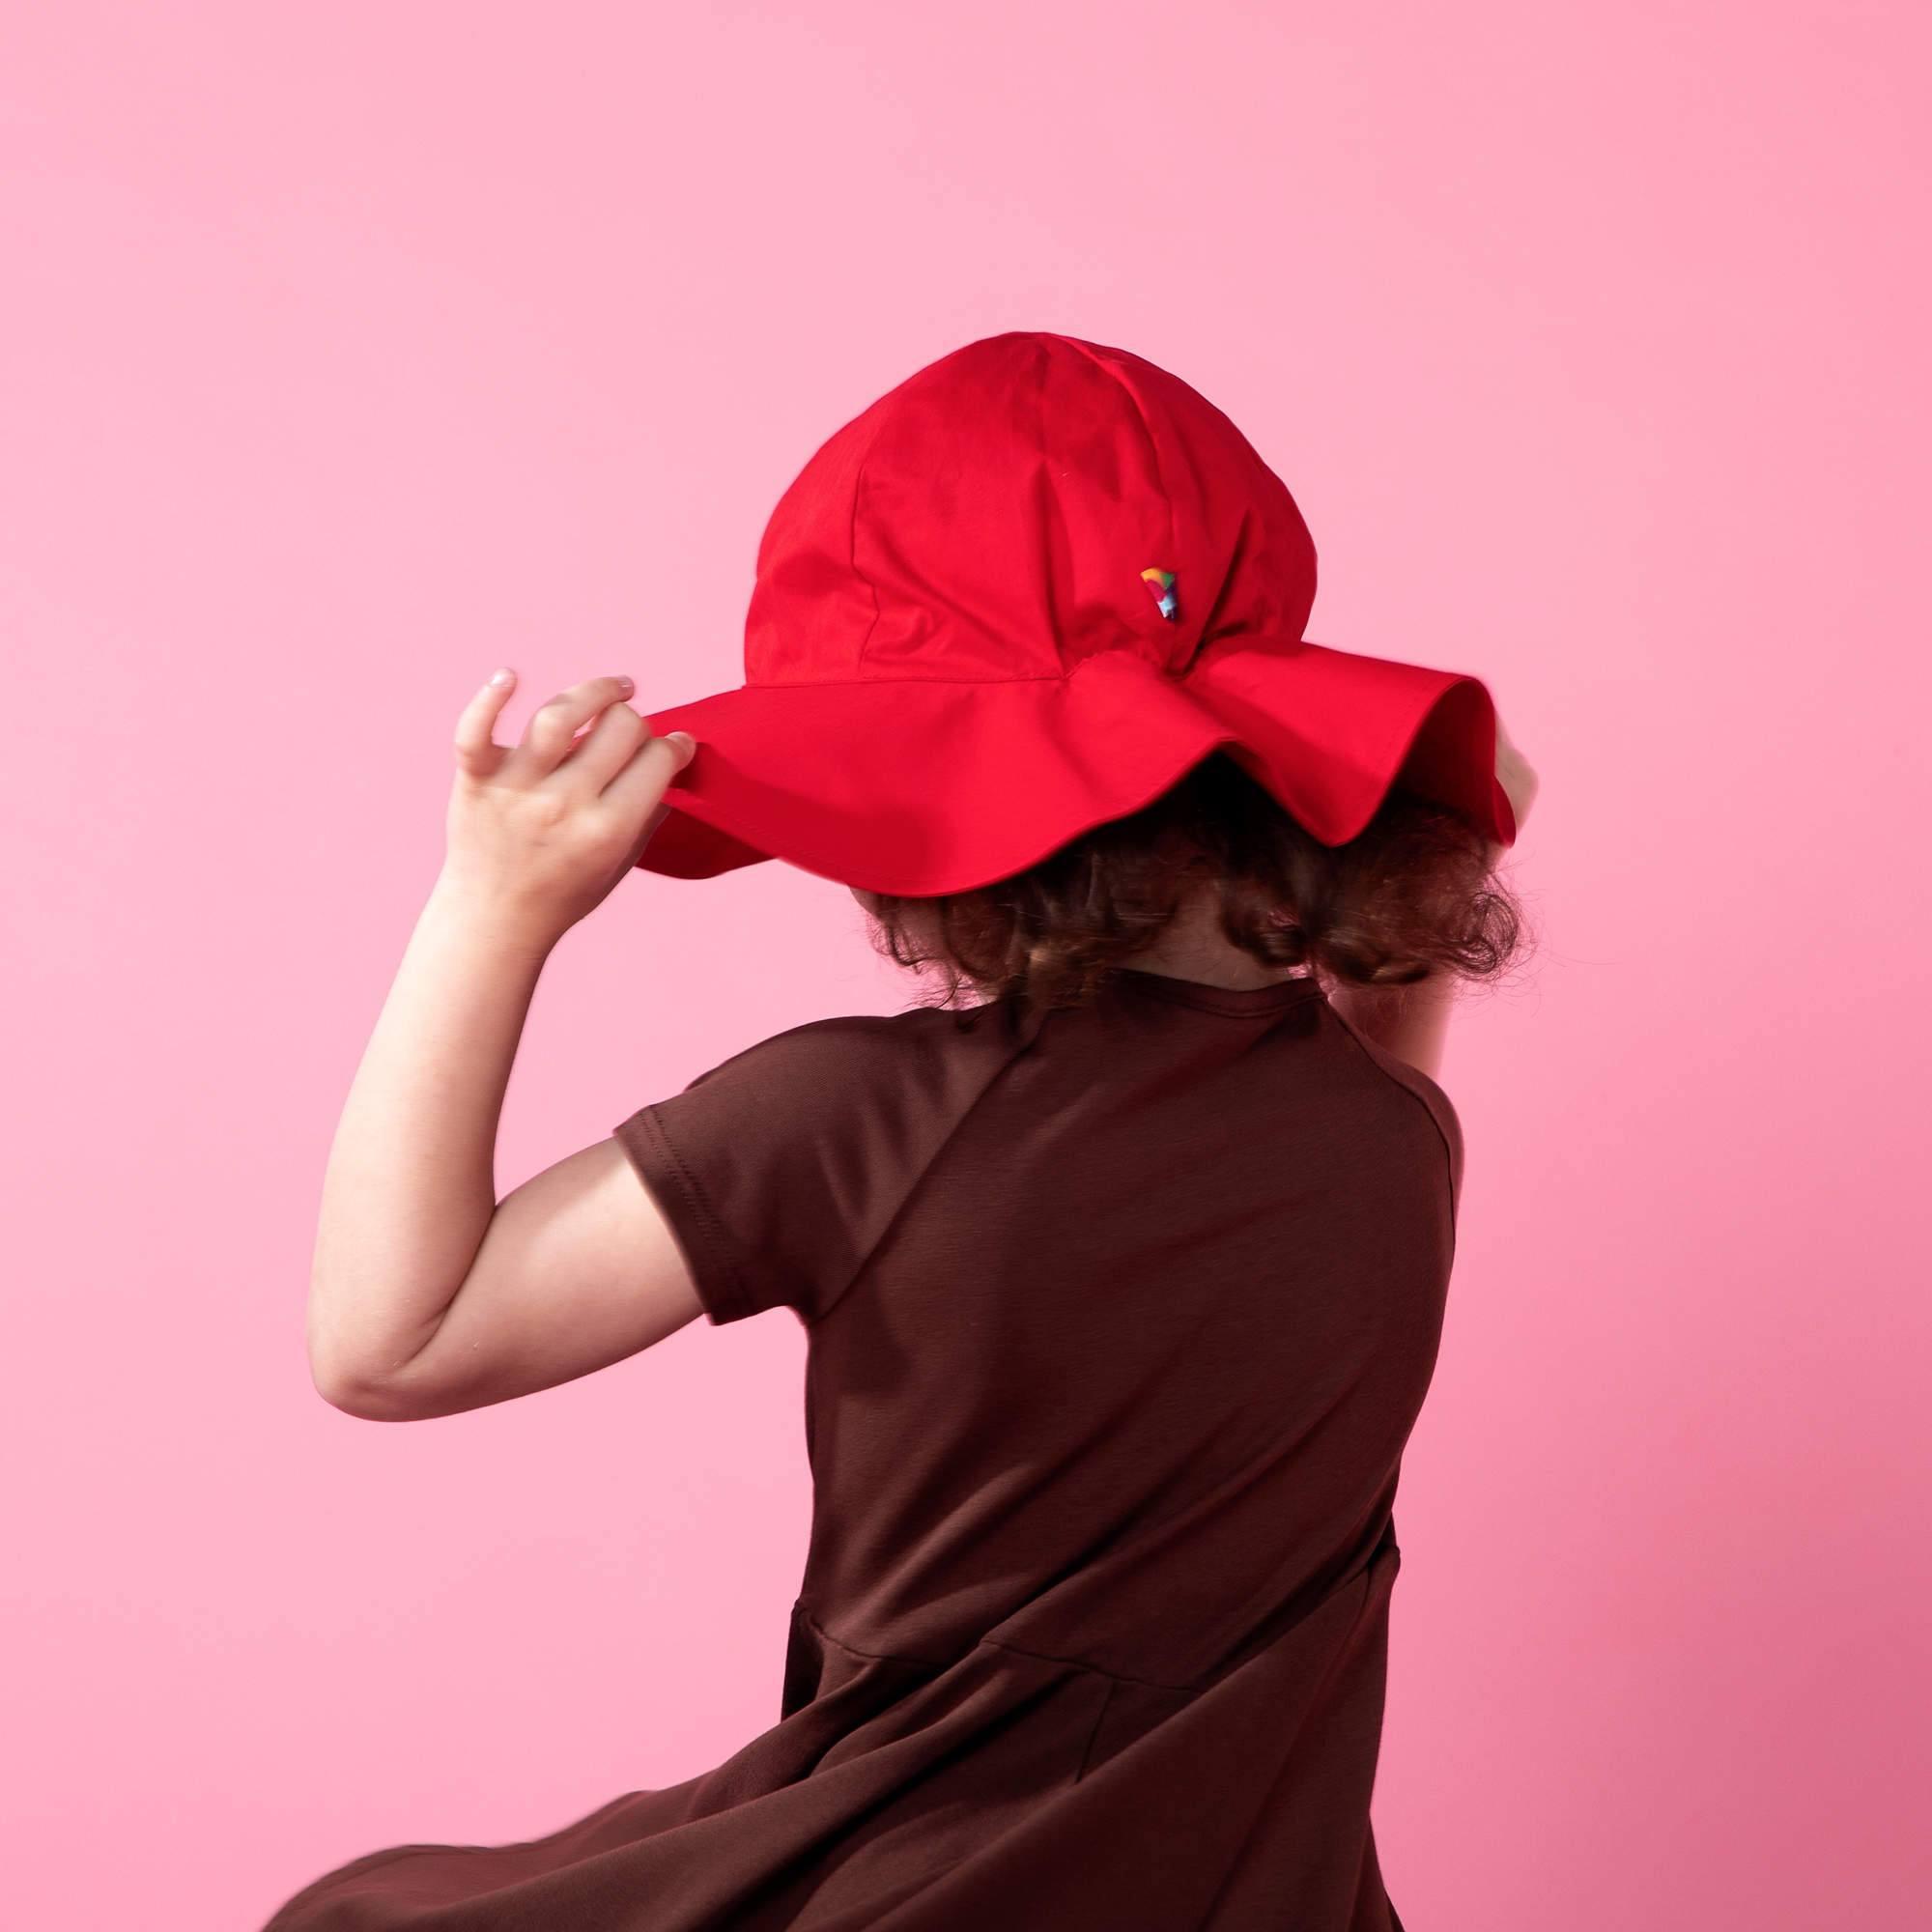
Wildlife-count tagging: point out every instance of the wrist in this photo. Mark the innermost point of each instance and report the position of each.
(484, 917)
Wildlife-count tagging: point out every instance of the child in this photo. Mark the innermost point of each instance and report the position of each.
(1123, 1257)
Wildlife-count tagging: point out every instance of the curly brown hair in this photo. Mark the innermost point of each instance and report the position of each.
(1413, 894)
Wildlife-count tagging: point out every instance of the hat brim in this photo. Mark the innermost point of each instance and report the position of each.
(921, 787)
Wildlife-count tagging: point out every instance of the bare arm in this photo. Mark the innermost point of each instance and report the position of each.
(416, 1266)
(410, 1188)
(1411, 1022)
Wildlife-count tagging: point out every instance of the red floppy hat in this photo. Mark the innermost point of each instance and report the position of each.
(1021, 594)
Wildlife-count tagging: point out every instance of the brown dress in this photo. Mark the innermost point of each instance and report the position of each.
(1119, 1318)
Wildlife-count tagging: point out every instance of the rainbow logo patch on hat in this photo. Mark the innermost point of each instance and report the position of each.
(1160, 586)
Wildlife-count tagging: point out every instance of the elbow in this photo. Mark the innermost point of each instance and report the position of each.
(364, 1397)
(347, 1377)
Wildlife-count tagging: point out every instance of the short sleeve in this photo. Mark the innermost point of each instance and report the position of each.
(777, 1169)
(1441, 1109)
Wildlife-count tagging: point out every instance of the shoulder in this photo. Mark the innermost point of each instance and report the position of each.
(841, 1048)
(870, 1079)
(781, 1166)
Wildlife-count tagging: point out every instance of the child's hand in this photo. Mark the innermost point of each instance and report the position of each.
(1515, 775)
(543, 831)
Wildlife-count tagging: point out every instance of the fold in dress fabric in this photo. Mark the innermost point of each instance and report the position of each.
(1119, 1318)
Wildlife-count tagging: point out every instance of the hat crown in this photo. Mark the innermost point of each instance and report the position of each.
(1025, 502)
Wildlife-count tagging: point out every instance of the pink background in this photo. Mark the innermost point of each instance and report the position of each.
(351, 351)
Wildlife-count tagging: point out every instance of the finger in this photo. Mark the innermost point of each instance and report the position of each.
(478, 752)
(658, 814)
(547, 737)
(595, 759)
(638, 789)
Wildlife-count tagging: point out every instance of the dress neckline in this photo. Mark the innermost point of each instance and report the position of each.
(1238, 1001)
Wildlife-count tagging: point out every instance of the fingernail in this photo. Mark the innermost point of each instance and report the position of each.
(627, 683)
(502, 676)
(684, 739)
